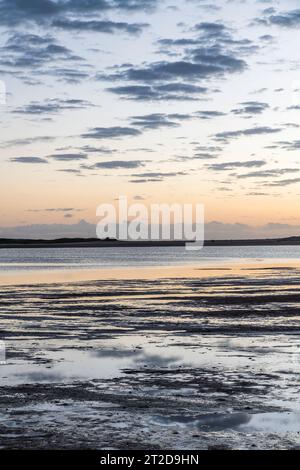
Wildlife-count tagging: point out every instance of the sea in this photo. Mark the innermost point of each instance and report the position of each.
(34, 259)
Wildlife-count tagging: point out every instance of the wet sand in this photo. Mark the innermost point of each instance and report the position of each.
(183, 358)
(235, 266)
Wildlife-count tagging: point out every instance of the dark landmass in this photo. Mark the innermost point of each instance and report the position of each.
(95, 242)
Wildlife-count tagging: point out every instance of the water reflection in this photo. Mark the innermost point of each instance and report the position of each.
(280, 422)
(72, 365)
(209, 422)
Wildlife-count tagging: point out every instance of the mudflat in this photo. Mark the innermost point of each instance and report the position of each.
(200, 359)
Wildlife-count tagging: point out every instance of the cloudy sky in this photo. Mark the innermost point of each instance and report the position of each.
(160, 100)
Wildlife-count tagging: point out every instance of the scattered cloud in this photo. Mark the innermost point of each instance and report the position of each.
(119, 164)
(89, 149)
(167, 92)
(267, 173)
(56, 209)
(234, 165)
(229, 135)
(250, 108)
(209, 114)
(72, 14)
(153, 121)
(212, 52)
(27, 141)
(288, 145)
(34, 53)
(52, 106)
(67, 157)
(206, 64)
(286, 19)
(155, 176)
(28, 160)
(99, 26)
(111, 132)
(285, 182)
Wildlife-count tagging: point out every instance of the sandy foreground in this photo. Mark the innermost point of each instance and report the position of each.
(156, 358)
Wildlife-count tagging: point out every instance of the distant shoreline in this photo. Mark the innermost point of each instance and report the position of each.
(95, 243)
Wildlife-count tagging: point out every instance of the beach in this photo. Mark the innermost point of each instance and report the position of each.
(163, 357)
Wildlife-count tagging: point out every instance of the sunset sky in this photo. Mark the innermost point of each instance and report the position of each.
(160, 100)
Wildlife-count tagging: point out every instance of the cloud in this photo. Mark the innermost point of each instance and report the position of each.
(119, 164)
(204, 156)
(228, 135)
(50, 231)
(211, 34)
(144, 180)
(27, 141)
(268, 173)
(41, 55)
(155, 176)
(56, 209)
(211, 53)
(26, 50)
(258, 91)
(285, 182)
(206, 6)
(209, 114)
(250, 108)
(70, 170)
(287, 19)
(52, 106)
(208, 148)
(99, 150)
(211, 29)
(139, 124)
(98, 26)
(289, 145)
(213, 231)
(111, 132)
(234, 165)
(49, 12)
(167, 92)
(153, 121)
(28, 160)
(69, 75)
(206, 64)
(14, 12)
(67, 157)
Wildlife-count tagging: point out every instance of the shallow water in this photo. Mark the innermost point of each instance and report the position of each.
(120, 355)
(90, 258)
(276, 422)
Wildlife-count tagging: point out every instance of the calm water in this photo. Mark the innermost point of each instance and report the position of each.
(85, 258)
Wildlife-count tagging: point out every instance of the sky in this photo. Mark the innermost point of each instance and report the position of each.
(162, 101)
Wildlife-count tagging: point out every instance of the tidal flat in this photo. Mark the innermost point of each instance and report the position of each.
(209, 361)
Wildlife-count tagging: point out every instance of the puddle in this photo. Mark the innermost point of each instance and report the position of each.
(70, 365)
(113, 357)
(275, 422)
